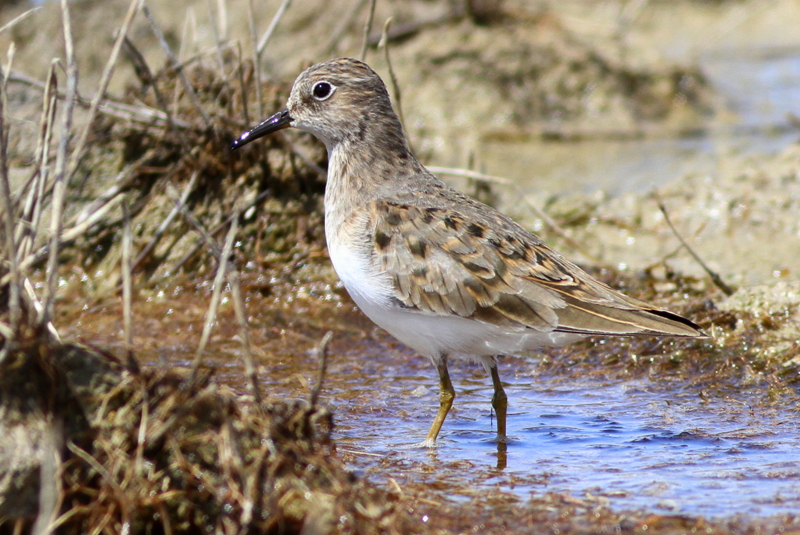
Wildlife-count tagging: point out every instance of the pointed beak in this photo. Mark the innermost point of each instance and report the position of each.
(279, 121)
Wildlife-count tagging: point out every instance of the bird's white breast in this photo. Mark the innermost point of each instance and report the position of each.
(430, 334)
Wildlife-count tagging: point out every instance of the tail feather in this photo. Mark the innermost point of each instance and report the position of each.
(593, 319)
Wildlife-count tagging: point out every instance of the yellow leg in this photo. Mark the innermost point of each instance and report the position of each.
(499, 403)
(446, 396)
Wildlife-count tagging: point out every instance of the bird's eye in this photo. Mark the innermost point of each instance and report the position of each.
(322, 90)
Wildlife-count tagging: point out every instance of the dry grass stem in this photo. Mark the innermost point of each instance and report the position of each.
(211, 315)
(145, 76)
(341, 28)
(256, 63)
(164, 226)
(19, 18)
(384, 43)
(105, 474)
(244, 330)
(212, 20)
(303, 156)
(8, 234)
(127, 283)
(322, 353)
(142, 115)
(715, 278)
(38, 307)
(105, 78)
(61, 174)
(50, 492)
(216, 230)
(68, 235)
(367, 29)
(173, 60)
(189, 216)
(407, 29)
(242, 84)
(30, 218)
(262, 43)
(141, 438)
(12, 49)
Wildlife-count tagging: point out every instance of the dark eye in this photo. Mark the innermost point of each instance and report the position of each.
(322, 90)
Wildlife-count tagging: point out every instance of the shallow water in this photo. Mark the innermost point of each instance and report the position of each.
(641, 445)
(658, 445)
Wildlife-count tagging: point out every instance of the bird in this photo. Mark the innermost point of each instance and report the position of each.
(445, 274)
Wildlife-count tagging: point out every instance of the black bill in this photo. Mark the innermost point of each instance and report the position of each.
(279, 121)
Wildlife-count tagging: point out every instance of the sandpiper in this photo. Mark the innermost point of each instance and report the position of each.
(443, 273)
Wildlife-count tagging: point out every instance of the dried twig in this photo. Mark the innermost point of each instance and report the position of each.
(135, 114)
(175, 65)
(215, 298)
(50, 482)
(215, 30)
(19, 18)
(367, 29)
(105, 78)
(715, 278)
(30, 218)
(322, 353)
(344, 24)
(384, 43)
(244, 330)
(159, 233)
(61, 174)
(14, 295)
(242, 85)
(189, 254)
(262, 43)
(127, 293)
(256, 60)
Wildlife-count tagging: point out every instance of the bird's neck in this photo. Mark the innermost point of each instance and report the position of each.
(363, 165)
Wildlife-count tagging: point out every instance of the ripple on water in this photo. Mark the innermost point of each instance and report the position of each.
(640, 444)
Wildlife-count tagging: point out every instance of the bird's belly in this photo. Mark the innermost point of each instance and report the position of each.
(435, 335)
(430, 334)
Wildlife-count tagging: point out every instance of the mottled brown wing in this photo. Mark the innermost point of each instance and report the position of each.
(481, 265)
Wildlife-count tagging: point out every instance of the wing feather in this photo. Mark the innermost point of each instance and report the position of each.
(476, 263)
